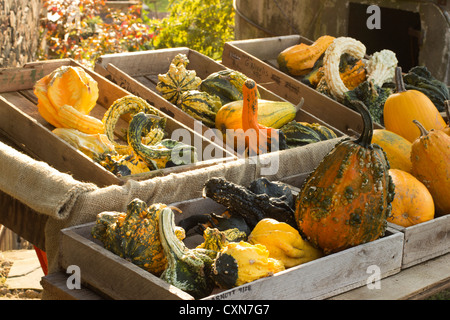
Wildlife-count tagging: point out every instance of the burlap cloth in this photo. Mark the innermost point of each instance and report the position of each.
(69, 202)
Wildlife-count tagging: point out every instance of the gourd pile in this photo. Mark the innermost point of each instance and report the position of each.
(254, 238)
(66, 97)
(338, 67)
(218, 101)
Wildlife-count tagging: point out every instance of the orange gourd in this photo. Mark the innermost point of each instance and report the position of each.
(299, 59)
(413, 203)
(258, 138)
(430, 158)
(397, 148)
(447, 111)
(345, 201)
(404, 106)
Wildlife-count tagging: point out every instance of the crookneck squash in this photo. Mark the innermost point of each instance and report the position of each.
(132, 105)
(158, 155)
(133, 235)
(413, 203)
(430, 158)
(259, 139)
(187, 269)
(239, 263)
(283, 242)
(345, 201)
(299, 59)
(404, 106)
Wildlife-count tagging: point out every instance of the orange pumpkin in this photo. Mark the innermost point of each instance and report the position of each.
(447, 111)
(404, 106)
(397, 148)
(412, 202)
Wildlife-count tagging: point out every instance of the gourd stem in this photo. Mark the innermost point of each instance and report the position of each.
(365, 139)
(300, 104)
(423, 131)
(399, 84)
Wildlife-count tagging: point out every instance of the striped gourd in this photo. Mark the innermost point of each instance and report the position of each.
(302, 133)
(132, 104)
(176, 81)
(201, 106)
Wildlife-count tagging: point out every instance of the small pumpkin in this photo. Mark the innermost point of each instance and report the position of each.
(404, 106)
(239, 263)
(430, 158)
(283, 242)
(300, 59)
(413, 203)
(345, 201)
(397, 148)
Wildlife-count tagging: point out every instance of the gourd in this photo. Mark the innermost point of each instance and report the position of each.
(273, 114)
(283, 242)
(201, 106)
(123, 165)
(134, 234)
(299, 133)
(239, 263)
(381, 67)
(187, 269)
(353, 75)
(215, 240)
(158, 155)
(65, 98)
(93, 145)
(226, 84)
(413, 203)
(430, 158)
(345, 201)
(177, 80)
(299, 59)
(332, 60)
(259, 139)
(397, 149)
(251, 206)
(132, 105)
(404, 106)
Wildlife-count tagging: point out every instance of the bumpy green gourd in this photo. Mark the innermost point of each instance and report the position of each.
(201, 106)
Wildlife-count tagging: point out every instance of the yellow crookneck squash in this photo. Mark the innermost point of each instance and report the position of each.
(283, 242)
(404, 106)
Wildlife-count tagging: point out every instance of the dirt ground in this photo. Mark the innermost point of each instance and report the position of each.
(14, 294)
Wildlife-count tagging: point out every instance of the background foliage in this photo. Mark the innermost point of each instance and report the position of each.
(86, 29)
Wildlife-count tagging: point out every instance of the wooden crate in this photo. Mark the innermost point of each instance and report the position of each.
(257, 58)
(138, 72)
(117, 278)
(22, 124)
(425, 241)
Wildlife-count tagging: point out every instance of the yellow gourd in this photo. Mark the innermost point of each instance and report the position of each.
(397, 148)
(283, 242)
